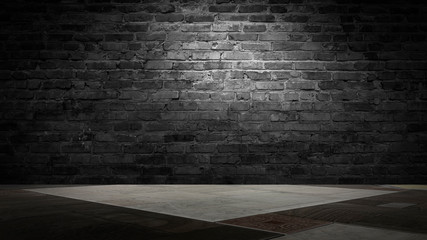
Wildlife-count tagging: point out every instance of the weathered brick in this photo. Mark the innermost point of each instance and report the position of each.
(158, 65)
(316, 75)
(225, 27)
(138, 17)
(222, 8)
(239, 106)
(243, 36)
(199, 18)
(256, 46)
(274, 37)
(301, 85)
(309, 66)
(237, 56)
(233, 17)
(269, 85)
(262, 18)
(150, 36)
(252, 8)
(206, 55)
(136, 27)
(348, 76)
(119, 37)
(211, 36)
(166, 95)
(101, 65)
(287, 46)
(254, 28)
(279, 9)
(196, 27)
(169, 18)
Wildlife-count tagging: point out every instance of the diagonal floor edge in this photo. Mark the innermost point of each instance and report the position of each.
(214, 207)
(32, 215)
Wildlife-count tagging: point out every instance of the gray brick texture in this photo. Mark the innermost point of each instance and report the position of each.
(213, 91)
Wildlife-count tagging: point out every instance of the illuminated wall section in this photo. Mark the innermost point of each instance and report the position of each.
(225, 91)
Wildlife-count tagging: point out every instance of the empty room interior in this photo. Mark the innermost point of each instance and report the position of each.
(213, 119)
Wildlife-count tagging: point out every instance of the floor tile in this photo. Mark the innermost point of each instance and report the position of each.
(276, 223)
(412, 187)
(350, 232)
(32, 215)
(369, 212)
(396, 205)
(211, 202)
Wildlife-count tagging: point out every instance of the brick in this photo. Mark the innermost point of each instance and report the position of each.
(239, 106)
(158, 65)
(233, 17)
(346, 117)
(299, 55)
(267, 106)
(160, 8)
(222, 8)
(178, 84)
(211, 36)
(138, 17)
(269, 85)
(232, 148)
(287, 46)
(274, 37)
(262, 18)
(212, 106)
(278, 1)
(254, 28)
(150, 36)
(269, 56)
(316, 75)
(321, 38)
(301, 85)
(248, 65)
(252, 8)
(348, 76)
(225, 27)
(281, 75)
(106, 148)
(222, 46)
(101, 65)
(136, 27)
(279, 9)
(179, 138)
(256, 46)
(243, 36)
(237, 56)
(199, 18)
(182, 106)
(206, 55)
(130, 65)
(119, 37)
(296, 18)
(314, 116)
(309, 66)
(138, 148)
(166, 95)
(169, 18)
(195, 27)
(196, 46)
(344, 96)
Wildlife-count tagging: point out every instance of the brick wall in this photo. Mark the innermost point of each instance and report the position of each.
(213, 91)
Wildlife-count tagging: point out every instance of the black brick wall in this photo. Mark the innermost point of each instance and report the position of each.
(225, 91)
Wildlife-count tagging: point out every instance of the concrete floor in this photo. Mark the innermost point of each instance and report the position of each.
(214, 212)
